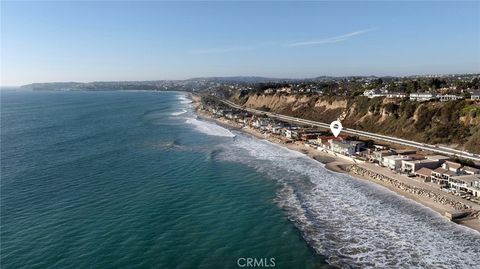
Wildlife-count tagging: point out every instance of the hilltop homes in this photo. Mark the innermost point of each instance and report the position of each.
(422, 96)
(374, 93)
(450, 97)
(475, 95)
(392, 95)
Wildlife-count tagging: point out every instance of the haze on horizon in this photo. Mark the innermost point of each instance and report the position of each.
(110, 41)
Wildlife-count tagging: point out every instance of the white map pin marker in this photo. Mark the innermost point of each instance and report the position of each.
(336, 127)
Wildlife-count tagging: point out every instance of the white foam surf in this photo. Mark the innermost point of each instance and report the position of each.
(354, 222)
(178, 113)
(184, 99)
(209, 128)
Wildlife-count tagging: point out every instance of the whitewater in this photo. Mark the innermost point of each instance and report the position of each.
(353, 222)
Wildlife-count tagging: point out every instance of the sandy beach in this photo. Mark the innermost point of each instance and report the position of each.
(340, 164)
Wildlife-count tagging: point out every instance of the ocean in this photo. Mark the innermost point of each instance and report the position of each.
(133, 179)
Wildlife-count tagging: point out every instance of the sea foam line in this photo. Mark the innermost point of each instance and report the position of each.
(353, 221)
(177, 113)
(209, 128)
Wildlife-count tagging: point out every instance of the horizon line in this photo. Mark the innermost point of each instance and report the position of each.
(250, 76)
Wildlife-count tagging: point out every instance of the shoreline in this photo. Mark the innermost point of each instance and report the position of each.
(339, 164)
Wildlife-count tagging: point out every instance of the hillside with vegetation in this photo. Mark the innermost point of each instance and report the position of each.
(453, 123)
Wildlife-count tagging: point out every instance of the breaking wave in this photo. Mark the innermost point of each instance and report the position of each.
(209, 128)
(178, 113)
(184, 99)
(354, 222)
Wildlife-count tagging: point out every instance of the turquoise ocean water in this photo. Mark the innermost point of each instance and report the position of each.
(133, 180)
(119, 180)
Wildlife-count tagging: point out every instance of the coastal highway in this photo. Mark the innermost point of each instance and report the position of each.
(390, 139)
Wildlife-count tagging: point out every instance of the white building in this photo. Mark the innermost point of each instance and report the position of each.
(397, 95)
(466, 183)
(475, 95)
(291, 133)
(410, 166)
(261, 123)
(449, 97)
(346, 147)
(374, 93)
(422, 96)
(394, 162)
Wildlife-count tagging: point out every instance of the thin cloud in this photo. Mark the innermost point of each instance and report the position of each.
(334, 39)
(327, 40)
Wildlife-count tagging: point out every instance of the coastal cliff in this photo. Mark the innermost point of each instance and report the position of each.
(456, 124)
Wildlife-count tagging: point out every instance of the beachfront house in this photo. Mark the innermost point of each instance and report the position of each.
(291, 133)
(431, 161)
(470, 170)
(378, 155)
(466, 183)
(323, 139)
(261, 123)
(277, 129)
(346, 147)
(310, 134)
(445, 174)
(229, 115)
(424, 173)
(442, 175)
(394, 162)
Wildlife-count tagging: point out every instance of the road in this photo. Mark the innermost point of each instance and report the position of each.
(390, 139)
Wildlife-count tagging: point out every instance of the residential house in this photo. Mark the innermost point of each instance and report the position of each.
(374, 93)
(470, 170)
(445, 175)
(291, 133)
(397, 95)
(442, 175)
(449, 97)
(394, 162)
(261, 123)
(324, 142)
(432, 162)
(422, 96)
(466, 183)
(424, 173)
(346, 147)
(376, 156)
(475, 95)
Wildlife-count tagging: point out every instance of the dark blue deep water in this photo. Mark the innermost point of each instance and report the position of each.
(121, 180)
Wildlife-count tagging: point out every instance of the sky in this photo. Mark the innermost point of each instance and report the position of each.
(105, 40)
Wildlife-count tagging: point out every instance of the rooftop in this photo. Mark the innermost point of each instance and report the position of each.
(422, 161)
(437, 157)
(453, 165)
(397, 157)
(467, 178)
(440, 170)
(424, 171)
